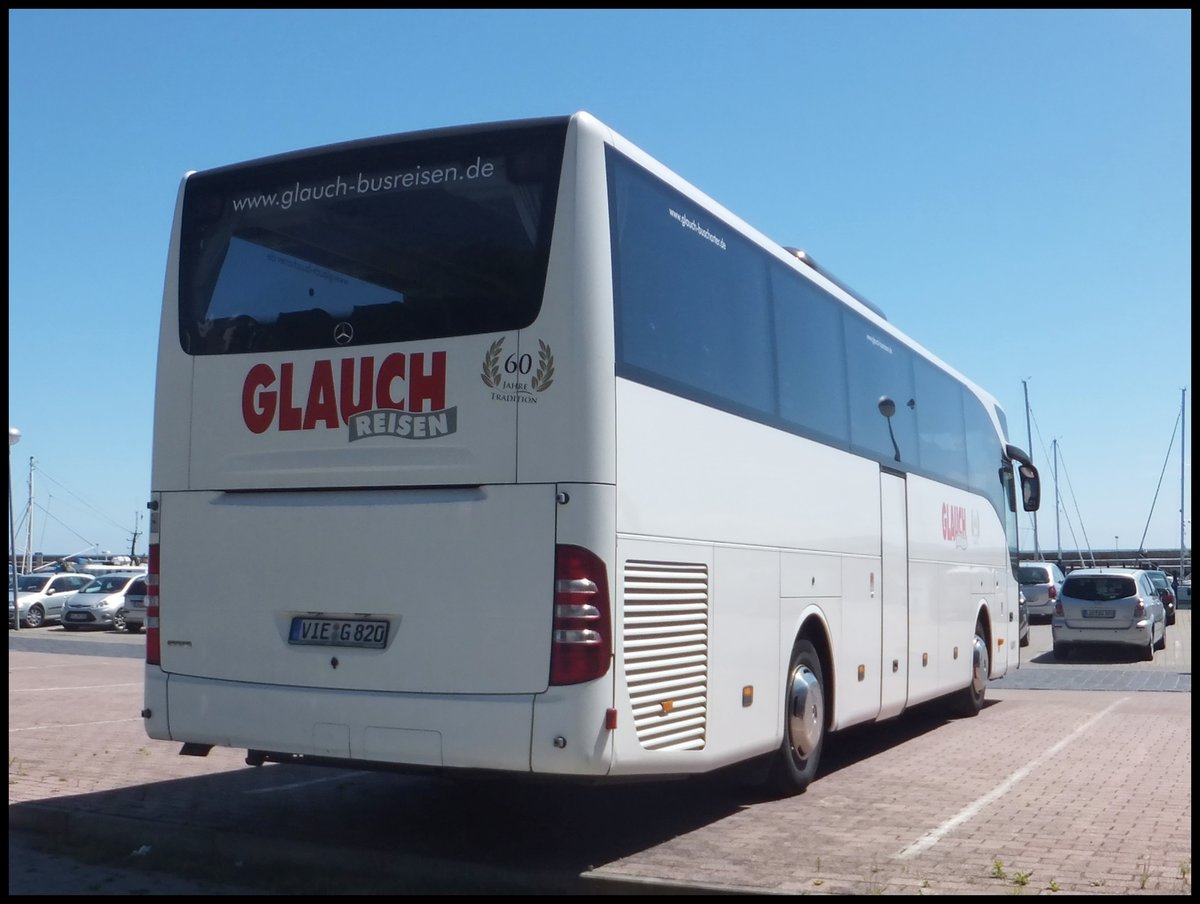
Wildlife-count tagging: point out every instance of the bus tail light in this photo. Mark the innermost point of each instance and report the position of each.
(153, 648)
(581, 645)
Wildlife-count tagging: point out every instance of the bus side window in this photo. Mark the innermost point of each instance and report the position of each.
(1010, 490)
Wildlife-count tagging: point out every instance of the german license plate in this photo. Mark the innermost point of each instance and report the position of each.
(339, 632)
(76, 616)
(1099, 613)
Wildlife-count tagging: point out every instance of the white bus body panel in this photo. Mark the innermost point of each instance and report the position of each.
(958, 552)
(444, 681)
(564, 431)
(685, 470)
(898, 636)
(173, 380)
(893, 584)
(771, 550)
(463, 576)
(409, 448)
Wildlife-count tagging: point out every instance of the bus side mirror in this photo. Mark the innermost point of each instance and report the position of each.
(1031, 488)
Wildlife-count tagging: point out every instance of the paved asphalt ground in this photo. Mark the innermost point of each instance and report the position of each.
(1075, 779)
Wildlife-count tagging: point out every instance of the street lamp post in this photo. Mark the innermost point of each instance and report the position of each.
(14, 437)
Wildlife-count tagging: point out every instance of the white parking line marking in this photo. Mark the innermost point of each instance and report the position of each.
(63, 665)
(932, 838)
(82, 687)
(73, 725)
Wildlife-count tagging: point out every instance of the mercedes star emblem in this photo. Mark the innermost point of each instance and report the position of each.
(343, 333)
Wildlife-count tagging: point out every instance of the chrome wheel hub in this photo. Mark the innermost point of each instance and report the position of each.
(806, 712)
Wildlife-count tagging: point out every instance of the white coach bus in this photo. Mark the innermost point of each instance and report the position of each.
(504, 448)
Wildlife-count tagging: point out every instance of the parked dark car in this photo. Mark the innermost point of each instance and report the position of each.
(1162, 583)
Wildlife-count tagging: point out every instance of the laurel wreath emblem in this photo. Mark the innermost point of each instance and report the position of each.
(491, 364)
(545, 372)
(491, 373)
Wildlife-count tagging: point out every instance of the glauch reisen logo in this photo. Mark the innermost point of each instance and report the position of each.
(954, 525)
(509, 376)
(400, 396)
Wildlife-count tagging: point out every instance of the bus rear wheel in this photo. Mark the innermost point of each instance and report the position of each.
(803, 722)
(970, 698)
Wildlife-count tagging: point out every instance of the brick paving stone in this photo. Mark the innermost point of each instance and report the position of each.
(1081, 785)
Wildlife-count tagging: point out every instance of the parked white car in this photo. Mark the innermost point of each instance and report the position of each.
(41, 596)
(100, 604)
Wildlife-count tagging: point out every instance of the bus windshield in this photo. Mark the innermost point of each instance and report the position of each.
(388, 242)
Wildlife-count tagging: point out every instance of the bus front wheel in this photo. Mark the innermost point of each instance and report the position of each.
(803, 722)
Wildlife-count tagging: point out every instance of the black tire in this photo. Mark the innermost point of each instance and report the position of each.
(804, 723)
(1061, 651)
(119, 620)
(1150, 647)
(133, 627)
(36, 617)
(969, 701)
(1025, 641)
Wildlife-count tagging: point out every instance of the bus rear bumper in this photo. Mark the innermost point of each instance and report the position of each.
(421, 730)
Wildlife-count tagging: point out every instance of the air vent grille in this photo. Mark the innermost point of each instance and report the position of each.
(666, 652)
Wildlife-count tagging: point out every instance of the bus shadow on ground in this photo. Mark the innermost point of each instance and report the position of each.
(302, 830)
(860, 742)
(292, 829)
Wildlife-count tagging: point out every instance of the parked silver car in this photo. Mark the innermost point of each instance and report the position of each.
(135, 605)
(101, 604)
(1109, 606)
(41, 596)
(1041, 583)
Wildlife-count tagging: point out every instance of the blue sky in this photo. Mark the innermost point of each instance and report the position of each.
(1013, 188)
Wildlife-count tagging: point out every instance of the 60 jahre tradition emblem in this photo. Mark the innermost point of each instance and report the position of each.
(509, 376)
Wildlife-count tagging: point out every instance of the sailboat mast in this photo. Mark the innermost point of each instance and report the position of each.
(29, 524)
(1037, 550)
(1057, 530)
(133, 545)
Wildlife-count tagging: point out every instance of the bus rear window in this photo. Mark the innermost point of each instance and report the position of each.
(1099, 589)
(378, 241)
